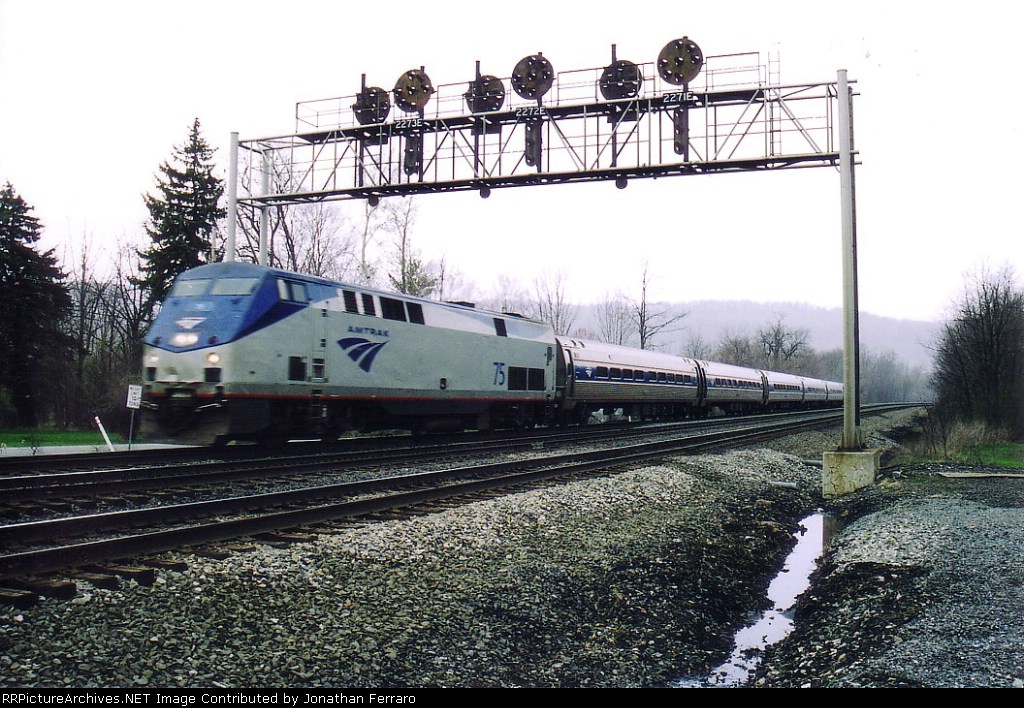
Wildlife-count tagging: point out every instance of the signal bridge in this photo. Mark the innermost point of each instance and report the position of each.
(537, 126)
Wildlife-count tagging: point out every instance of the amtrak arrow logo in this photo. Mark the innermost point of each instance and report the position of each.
(361, 351)
(189, 322)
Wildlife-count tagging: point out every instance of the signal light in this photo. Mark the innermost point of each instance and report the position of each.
(371, 106)
(622, 79)
(533, 76)
(412, 90)
(680, 61)
(485, 93)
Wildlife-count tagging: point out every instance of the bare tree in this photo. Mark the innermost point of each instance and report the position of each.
(551, 302)
(738, 349)
(317, 242)
(781, 346)
(615, 319)
(305, 238)
(85, 327)
(411, 275)
(650, 319)
(451, 283)
(509, 296)
(978, 358)
(697, 348)
(370, 228)
(105, 330)
(887, 379)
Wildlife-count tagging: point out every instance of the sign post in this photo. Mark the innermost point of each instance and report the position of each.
(134, 402)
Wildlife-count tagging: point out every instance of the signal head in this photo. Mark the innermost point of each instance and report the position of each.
(680, 61)
(533, 76)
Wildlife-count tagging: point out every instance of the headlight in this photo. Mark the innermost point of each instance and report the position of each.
(213, 358)
(184, 339)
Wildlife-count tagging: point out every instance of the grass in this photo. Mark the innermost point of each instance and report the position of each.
(974, 443)
(47, 437)
(1009, 455)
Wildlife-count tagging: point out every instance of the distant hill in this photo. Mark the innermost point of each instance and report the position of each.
(909, 340)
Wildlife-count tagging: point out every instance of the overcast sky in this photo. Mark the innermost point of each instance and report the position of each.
(95, 95)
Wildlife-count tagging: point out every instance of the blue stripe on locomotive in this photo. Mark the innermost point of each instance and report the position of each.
(224, 318)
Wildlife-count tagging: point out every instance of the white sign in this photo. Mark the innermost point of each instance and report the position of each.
(134, 396)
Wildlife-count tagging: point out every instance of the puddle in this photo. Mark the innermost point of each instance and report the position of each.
(776, 622)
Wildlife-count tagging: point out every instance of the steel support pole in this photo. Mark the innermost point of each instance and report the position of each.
(229, 246)
(851, 325)
(264, 257)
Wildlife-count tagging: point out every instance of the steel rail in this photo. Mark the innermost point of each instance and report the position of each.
(59, 557)
(22, 487)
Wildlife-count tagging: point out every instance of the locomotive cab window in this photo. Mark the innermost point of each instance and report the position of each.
(392, 309)
(292, 291)
(368, 308)
(351, 305)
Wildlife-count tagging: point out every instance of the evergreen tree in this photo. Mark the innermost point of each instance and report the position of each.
(33, 304)
(182, 218)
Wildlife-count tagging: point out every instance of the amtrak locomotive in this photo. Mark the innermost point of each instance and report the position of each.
(244, 352)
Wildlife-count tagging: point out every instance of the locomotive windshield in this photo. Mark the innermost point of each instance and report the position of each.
(197, 287)
(190, 288)
(234, 286)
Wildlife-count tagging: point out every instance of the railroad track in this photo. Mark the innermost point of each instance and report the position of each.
(44, 464)
(45, 546)
(161, 473)
(14, 466)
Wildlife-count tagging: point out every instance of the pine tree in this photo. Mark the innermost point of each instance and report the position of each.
(182, 217)
(34, 301)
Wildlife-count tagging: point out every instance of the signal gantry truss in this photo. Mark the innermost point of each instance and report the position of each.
(619, 122)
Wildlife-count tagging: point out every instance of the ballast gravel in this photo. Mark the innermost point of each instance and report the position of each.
(633, 579)
(636, 579)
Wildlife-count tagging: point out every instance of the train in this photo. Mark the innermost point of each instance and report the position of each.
(242, 352)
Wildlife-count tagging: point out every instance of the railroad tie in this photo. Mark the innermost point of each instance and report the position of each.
(19, 599)
(140, 574)
(46, 587)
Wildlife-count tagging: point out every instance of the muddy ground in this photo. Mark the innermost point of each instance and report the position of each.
(922, 587)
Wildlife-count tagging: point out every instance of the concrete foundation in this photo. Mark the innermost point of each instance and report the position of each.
(844, 472)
